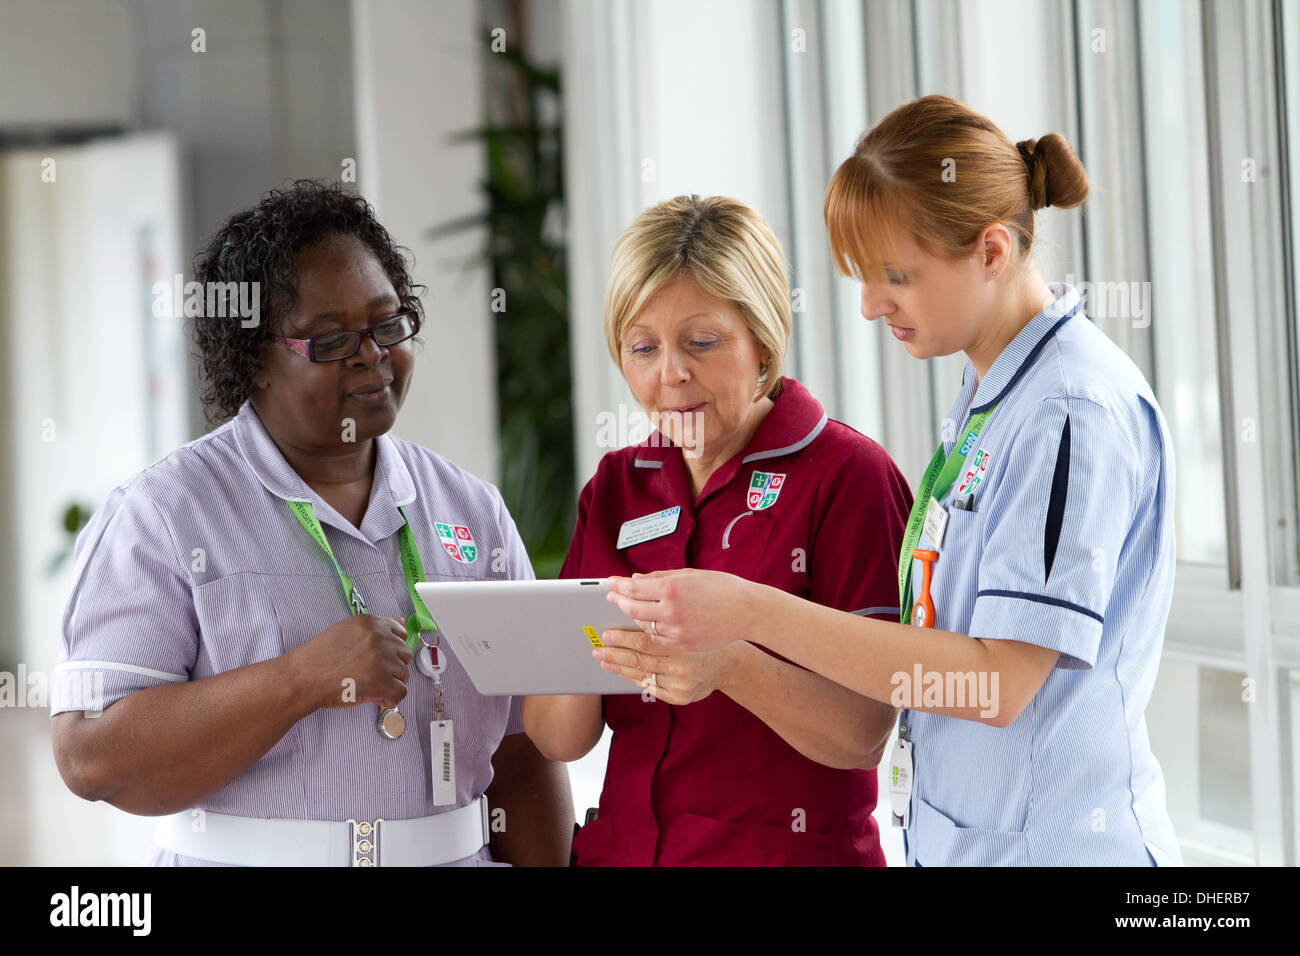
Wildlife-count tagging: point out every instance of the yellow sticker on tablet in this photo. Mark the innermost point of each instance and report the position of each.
(592, 636)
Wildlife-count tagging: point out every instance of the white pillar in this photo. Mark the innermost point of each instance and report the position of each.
(418, 80)
(659, 99)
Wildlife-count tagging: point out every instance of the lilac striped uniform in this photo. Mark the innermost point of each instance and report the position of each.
(1063, 538)
(197, 566)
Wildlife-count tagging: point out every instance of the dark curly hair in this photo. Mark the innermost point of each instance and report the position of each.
(262, 245)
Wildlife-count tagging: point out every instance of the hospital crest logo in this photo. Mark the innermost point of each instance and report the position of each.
(974, 473)
(457, 541)
(764, 489)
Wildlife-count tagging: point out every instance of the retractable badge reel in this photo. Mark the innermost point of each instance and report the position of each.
(431, 663)
(900, 783)
(427, 658)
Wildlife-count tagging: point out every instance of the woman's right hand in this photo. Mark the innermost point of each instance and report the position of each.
(361, 658)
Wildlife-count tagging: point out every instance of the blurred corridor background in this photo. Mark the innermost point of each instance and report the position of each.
(507, 144)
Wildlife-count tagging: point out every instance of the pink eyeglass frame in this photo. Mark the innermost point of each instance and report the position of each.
(303, 346)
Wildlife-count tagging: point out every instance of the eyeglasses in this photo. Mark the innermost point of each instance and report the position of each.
(344, 343)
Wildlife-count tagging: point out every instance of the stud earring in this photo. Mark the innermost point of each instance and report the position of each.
(995, 273)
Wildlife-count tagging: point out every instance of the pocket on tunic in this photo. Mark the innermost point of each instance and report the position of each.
(238, 624)
(959, 532)
(593, 843)
(462, 573)
(657, 554)
(744, 539)
(955, 575)
(694, 840)
(941, 842)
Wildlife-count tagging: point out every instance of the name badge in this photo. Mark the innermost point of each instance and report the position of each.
(442, 756)
(649, 527)
(936, 519)
(900, 784)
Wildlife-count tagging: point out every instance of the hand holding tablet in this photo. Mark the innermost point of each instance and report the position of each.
(528, 637)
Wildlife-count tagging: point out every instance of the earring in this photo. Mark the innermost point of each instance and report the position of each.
(995, 273)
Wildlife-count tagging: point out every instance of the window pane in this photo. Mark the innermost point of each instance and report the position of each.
(1114, 215)
(1182, 289)
(1290, 684)
(1198, 725)
(1289, 26)
(1224, 760)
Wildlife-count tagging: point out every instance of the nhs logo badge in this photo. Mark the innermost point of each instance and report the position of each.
(974, 473)
(764, 489)
(968, 444)
(457, 541)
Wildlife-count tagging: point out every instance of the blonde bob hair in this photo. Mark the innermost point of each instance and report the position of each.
(728, 250)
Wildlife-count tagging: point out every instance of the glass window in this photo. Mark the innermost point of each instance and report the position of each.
(1182, 307)
(1207, 771)
(1289, 27)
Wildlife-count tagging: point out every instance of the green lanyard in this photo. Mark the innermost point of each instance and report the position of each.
(939, 476)
(421, 620)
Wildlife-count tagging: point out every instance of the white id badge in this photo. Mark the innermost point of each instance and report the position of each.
(649, 527)
(900, 783)
(936, 519)
(443, 755)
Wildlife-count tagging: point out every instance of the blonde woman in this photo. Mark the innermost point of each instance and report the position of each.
(733, 756)
(1038, 567)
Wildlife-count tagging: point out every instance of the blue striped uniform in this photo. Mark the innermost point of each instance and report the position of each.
(197, 566)
(1068, 544)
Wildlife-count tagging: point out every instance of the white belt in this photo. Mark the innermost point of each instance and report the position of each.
(257, 841)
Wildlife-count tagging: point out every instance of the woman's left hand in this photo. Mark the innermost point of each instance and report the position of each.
(679, 677)
(689, 610)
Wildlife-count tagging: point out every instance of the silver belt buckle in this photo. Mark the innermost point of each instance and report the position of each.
(364, 837)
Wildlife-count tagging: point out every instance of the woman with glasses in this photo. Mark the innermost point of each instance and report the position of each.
(273, 686)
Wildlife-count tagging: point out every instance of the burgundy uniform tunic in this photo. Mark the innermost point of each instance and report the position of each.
(809, 506)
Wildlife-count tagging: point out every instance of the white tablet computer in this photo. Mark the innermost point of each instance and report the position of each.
(528, 637)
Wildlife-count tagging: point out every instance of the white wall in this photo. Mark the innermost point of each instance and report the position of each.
(268, 100)
(661, 99)
(417, 82)
(75, 302)
(92, 389)
(1032, 60)
(68, 62)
